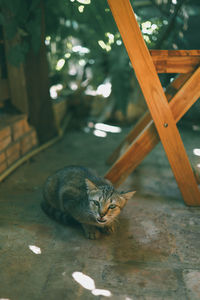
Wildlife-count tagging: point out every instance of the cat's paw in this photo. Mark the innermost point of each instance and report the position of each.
(108, 229)
(93, 235)
(91, 232)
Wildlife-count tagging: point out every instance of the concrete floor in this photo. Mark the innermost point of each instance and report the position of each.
(155, 253)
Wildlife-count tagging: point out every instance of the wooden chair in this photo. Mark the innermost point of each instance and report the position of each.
(165, 109)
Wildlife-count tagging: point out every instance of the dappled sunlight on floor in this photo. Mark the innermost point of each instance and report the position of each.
(88, 283)
(101, 129)
(196, 151)
(35, 249)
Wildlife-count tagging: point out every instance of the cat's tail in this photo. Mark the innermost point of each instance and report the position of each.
(55, 214)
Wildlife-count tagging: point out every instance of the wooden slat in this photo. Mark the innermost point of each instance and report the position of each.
(168, 53)
(149, 138)
(146, 118)
(176, 84)
(140, 125)
(156, 100)
(4, 89)
(175, 61)
(176, 64)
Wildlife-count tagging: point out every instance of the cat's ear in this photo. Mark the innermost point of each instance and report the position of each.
(128, 195)
(90, 185)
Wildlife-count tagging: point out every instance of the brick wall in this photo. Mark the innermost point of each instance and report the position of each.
(17, 138)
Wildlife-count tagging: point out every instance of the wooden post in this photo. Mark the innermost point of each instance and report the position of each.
(40, 106)
(156, 100)
(29, 88)
(4, 88)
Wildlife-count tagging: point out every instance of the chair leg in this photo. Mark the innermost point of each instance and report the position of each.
(149, 138)
(137, 129)
(171, 90)
(157, 103)
(159, 108)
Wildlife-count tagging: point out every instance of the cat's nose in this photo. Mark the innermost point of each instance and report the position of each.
(102, 214)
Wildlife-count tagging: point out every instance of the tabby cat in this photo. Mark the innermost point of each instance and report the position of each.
(78, 193)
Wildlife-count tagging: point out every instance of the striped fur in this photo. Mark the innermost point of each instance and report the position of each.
(77, 193)
(56, 214)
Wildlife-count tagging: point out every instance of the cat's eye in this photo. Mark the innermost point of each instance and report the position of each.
(96, 203)
(112, 206)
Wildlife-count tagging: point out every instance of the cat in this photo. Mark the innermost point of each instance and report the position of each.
(78, 193)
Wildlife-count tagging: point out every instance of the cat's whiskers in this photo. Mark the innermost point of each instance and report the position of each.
(116, 220)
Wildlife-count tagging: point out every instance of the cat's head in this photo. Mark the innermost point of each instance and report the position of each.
(105, 202)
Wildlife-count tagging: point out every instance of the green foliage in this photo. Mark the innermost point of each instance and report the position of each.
(21, 21)
(91, 25)
(17, 53)
(81, 35)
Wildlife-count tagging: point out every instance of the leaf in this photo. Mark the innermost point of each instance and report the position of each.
(34, 5)
(10, 28)
(2, 19)
(16, 55)
(14, 6)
